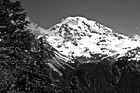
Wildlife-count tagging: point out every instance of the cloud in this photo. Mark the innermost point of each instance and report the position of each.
(136, 36)
(138, 29)
(84, 8)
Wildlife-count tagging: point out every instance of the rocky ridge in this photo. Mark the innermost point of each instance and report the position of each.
(77, 37)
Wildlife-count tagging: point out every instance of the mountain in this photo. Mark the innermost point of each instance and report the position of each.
(78, 37)
(89, 57)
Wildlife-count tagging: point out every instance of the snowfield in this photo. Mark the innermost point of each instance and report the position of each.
(78, 36)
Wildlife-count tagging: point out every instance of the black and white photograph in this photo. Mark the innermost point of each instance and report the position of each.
(69, 46)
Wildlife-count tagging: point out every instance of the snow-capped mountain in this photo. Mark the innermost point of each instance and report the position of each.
(80, 37)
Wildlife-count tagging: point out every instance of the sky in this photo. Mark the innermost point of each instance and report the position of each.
(121, 15)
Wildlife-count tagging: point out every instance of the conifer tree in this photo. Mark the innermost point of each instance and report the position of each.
(15, 43)
(13, 21)
(21, 59)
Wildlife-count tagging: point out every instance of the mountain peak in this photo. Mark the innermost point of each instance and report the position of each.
(80, 37)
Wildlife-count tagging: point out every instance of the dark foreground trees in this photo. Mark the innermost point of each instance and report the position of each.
(22, 65)
(14, 42)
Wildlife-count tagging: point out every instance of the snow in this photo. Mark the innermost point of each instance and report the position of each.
(97, 38)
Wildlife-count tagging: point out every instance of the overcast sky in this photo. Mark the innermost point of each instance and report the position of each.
(121, 15)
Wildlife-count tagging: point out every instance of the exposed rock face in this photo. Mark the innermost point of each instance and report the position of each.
(80, 37)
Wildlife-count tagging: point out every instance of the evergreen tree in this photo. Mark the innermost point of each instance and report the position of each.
(23, 59)
(15, 44)
(13, 21)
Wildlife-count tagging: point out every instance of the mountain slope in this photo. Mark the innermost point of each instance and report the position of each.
(88, 57)
(80, 37)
